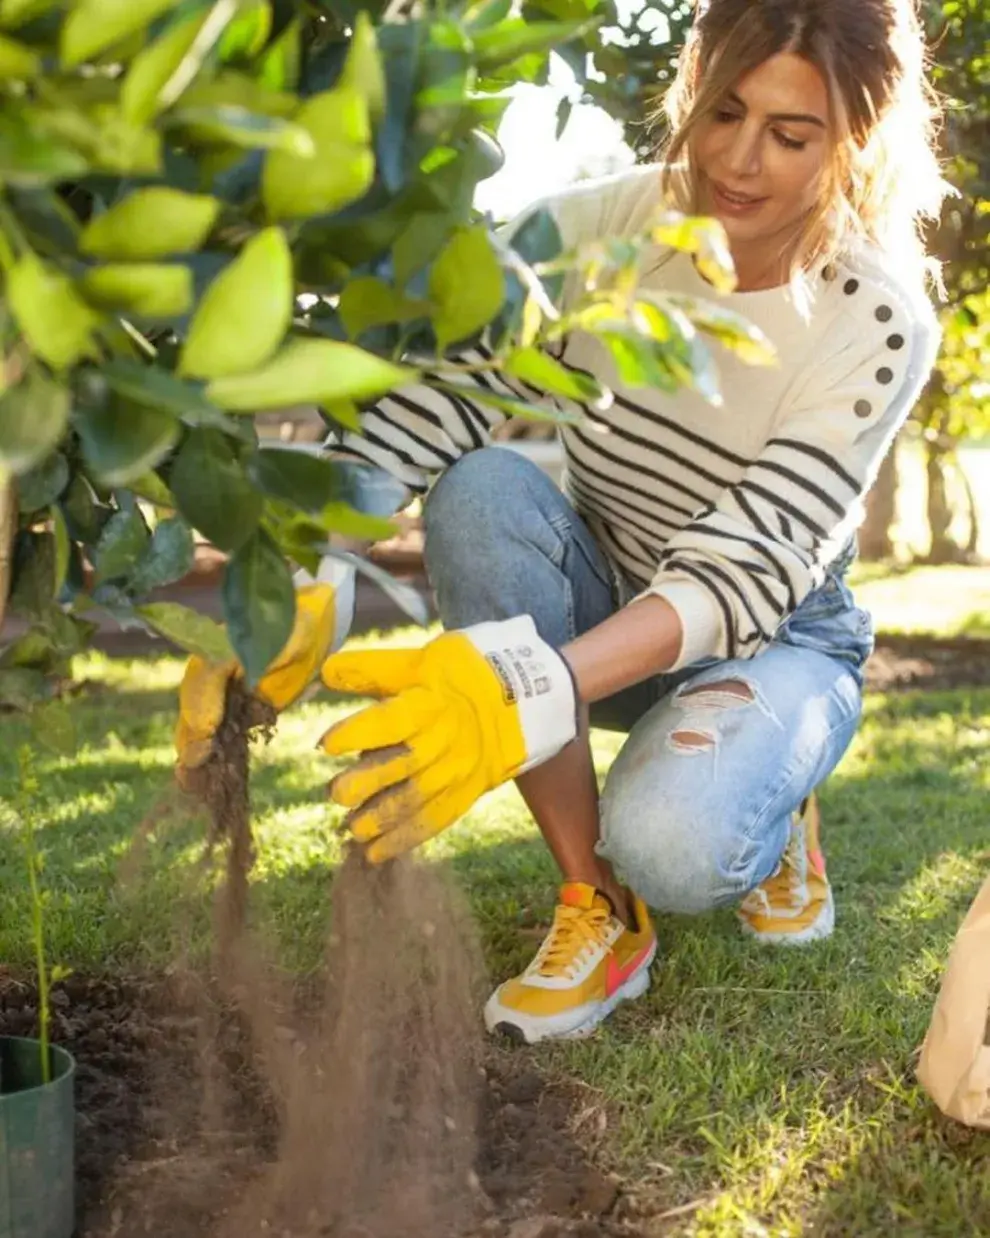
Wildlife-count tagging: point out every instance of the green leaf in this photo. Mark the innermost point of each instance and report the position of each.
(280, 65)
(419, 243)
(151, 487)
(187, 628)
(63, 548)
(245, 312)
(54, 728)
(538, 369)
(156, 388)
(43, 484)
(168, 557)
(33, 417)
(368, 302)
(514, 38)
(309, 371)
(93, 25)
(33, 578)
(564, 109)
(228, 125)
(148, 289)
(306, 481)
(145, 88)
(84, 514)
(408, 599)
(362, 71)
(69, 633)
(123, 441)
(466, 285)
(340, 168)
(56, 321)
(23, 687)
(706, 240)
(30, 157)
(640, 361)
(150, 223)
(512, 405)
(259, 603)
(122, 542)
(246, 36)
(732, 331)
(17, 62)
(342, 518)
(32, 649)
(212, 490)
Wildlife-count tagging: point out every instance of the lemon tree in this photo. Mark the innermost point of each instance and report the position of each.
(214, 208)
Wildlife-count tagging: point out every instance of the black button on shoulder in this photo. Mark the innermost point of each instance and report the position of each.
(895, 341)
(885, 374)
(884, 313)
(850, 286)
(862, 408)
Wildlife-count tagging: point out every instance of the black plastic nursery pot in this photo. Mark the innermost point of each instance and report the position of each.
(37, 1142)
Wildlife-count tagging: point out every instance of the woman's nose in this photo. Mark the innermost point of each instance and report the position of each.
(743, 156)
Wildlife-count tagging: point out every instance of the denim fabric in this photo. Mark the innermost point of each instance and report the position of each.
(697, 806)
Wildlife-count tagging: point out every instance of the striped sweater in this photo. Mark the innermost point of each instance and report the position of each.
(732, 513)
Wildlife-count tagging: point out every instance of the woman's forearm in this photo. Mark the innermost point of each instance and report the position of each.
(642, 640)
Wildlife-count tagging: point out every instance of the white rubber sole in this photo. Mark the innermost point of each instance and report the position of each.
(822, 928)
(571, 1024)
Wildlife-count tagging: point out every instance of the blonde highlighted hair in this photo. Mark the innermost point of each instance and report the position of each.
(883, 181)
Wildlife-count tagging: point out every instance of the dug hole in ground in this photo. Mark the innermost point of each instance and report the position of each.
(233, 1105)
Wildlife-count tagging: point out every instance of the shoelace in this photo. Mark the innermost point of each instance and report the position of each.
(573, 930)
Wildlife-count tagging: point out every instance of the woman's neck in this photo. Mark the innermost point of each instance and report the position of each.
(767, 264)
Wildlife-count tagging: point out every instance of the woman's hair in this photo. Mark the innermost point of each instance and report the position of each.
(883, 180)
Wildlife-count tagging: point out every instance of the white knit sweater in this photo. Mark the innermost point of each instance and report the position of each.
(732, 513)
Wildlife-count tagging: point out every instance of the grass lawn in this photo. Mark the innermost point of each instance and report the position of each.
(755, 1092)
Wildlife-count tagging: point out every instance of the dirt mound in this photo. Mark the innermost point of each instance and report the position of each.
(929, 663)
(149, 1163)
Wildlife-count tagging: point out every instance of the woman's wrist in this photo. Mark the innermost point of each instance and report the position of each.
(640, 641)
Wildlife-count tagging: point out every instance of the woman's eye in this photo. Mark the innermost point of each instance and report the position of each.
(724, 117)
(789, 143)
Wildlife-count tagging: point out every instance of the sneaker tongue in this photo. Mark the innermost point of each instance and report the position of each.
(577, 894)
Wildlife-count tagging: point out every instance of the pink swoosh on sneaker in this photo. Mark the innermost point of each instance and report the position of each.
(616, 976)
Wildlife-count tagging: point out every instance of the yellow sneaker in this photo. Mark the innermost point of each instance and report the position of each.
(588, 963)
(794, 905)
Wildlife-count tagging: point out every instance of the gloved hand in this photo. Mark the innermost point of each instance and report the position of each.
(324, 613)
(470, 710)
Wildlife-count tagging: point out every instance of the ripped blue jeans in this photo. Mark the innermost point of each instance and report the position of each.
(696, 809)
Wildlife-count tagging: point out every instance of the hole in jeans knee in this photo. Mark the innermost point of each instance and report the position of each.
(691, 742)
(722, 694)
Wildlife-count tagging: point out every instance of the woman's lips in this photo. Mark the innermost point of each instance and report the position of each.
(731, 203)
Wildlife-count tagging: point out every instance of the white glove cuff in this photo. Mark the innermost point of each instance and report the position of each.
(535, 679)
(340, 574)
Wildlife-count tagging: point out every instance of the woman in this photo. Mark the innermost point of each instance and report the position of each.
(688, 586)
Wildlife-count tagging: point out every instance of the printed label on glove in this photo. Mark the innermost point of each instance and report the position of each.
(535, 680)
(521, 673)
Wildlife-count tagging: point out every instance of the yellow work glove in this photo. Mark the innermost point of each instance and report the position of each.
(463, 714)
(324, 611)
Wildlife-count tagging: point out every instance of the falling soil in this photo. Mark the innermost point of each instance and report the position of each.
(147, 1163)
(365, 1107)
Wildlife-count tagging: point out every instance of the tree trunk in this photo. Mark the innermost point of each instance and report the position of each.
(875, 542)
(943, 549)
(8, 527)
(973, 515)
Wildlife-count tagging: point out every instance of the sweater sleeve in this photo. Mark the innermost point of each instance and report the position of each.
(418, 431)
(745, 563)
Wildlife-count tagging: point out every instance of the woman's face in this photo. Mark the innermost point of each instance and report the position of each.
(762, 155)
